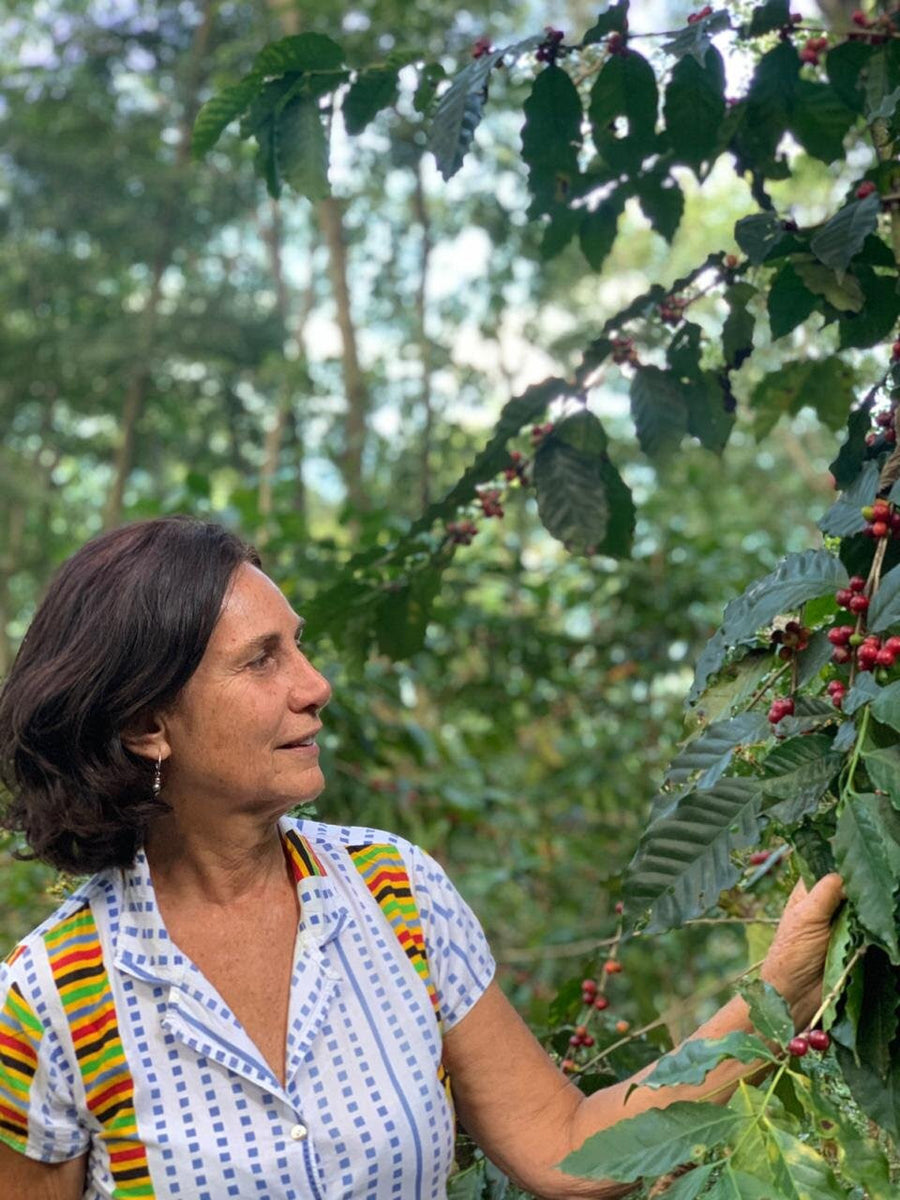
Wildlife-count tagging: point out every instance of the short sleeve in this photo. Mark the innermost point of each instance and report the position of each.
(459, 956)
(38, 1116)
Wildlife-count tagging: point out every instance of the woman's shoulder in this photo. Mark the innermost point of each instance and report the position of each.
(21, 966)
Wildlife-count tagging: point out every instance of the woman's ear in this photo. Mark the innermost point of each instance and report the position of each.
(146, 737)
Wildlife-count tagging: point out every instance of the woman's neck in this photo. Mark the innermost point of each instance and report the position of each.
(225, 862)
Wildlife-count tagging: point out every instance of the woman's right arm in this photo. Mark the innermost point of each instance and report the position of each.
(24, 1178)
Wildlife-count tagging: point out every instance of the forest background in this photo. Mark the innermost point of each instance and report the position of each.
(317, 372)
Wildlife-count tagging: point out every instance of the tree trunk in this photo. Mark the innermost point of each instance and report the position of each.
(331, 224)
(285, 405)
(139, 378)
(420, 212)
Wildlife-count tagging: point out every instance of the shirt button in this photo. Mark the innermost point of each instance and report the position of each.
(298, 1132)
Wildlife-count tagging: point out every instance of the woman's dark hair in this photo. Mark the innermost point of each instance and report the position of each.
(122, 628)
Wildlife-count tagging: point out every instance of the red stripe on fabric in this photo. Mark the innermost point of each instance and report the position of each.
(11, 1114)
(131, 1154)
(19, 1045)
(388, 875)
(115, 1089)
(96, 1025)
(90, 955)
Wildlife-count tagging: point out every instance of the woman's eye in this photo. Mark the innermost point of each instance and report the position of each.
(262, 661)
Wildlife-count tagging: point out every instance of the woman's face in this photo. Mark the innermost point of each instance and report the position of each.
(241, 736)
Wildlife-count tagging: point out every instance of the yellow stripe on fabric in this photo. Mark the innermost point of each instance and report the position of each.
(73, 947)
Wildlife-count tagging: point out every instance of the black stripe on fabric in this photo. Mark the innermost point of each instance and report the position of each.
(114, 1109)
(127, 1174)
(92, 972)
(89, 1048)
(297, 842)
(24, 1069)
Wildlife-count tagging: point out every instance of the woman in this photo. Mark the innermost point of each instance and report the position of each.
(239, 1004)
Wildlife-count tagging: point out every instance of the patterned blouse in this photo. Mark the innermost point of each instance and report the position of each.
(113, 1042)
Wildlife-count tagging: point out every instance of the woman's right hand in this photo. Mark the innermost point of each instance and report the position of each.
(795, 963)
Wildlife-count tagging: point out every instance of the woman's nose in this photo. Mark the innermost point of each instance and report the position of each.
(311, 688)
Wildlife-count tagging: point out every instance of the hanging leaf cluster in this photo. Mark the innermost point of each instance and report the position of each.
(607, 121)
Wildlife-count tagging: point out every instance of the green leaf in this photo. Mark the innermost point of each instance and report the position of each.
(694, 1059)
(851, 456)
(564, 223)
(797, 774)
(653, 1142)
(684, 860)
(625, 87)
(789, 303)
(401, 618)
(551, 138)
(884, 611)
(800, 1172)
(571, 478)
(773, 14)
(734, 687)
(881, 84)
(845, 65)
(220, 111)
(597, 231)
(882, 765)
(737, 332)
(840, 947)
(820, 120)
(845, 518)
(709, 420)
(769, 1012)
(842, 291)
(460, 108)
(797, 579)
(878, 315)
(886, 705)
(868, 1057)
(659, 410)
(662, 201)
(369, 93)
(769, 105)
(878, 1098)
(739, 1185)
(683, 353)
(825, 384)
(759, 235)
(867, 854)
(302, 148)
(689, 1185)
(300, 52)
(694, 107)
(839, 239)
(703, 760)
(266, 161)
(864, 690)
(613, 20)
(817, 655)
(430, 76)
